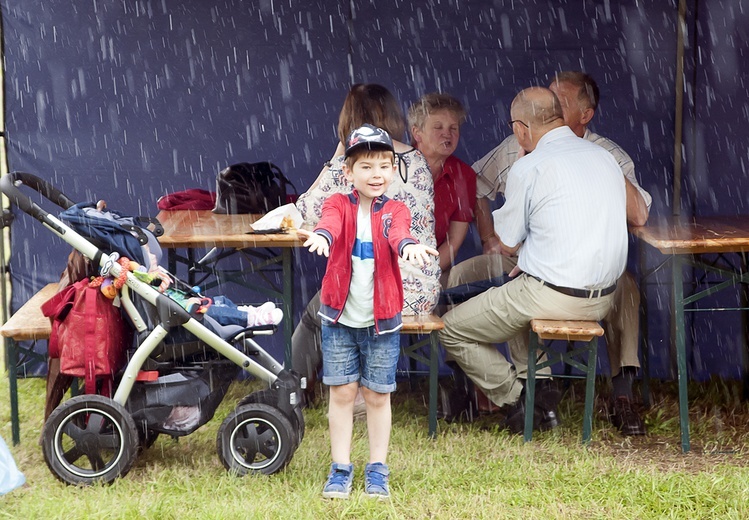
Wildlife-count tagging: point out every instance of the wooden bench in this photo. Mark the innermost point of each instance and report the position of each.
(28, 323)
(586, 332)
(429, 327)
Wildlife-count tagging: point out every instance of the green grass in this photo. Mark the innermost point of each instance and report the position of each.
(469, 471)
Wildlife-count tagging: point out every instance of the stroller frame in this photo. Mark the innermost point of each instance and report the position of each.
(259, 436)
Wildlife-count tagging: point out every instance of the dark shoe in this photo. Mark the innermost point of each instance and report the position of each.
(624, 417)
(545, 415)
(455, 405)
(542, 419)
(547, 395)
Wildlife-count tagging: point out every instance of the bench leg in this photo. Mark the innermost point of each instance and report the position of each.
(433, 362)
(434, 366)
(530, 387)
(590, 388)
(412, 380)
(644, 329)
(12, 357)
(679, 321)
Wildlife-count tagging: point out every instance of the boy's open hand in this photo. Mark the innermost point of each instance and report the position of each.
(316, 243)
(418, 253)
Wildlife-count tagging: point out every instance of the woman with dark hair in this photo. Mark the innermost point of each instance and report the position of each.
(373, 104)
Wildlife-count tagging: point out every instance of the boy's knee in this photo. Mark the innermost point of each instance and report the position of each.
(375, 399)
(344, 393)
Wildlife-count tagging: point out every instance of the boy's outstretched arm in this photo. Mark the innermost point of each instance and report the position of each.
(418, 253)
(315, 242)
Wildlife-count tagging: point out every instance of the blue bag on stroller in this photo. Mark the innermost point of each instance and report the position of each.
(112, 231)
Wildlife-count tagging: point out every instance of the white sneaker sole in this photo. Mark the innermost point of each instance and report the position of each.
(336, 494)
(377, 496)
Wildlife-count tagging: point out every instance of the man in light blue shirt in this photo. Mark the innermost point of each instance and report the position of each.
(579, 96)
(566, 206)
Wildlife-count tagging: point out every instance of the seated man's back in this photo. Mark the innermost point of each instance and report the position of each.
(566, 202)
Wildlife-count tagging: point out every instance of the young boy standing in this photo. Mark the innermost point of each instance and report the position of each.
(363, 233)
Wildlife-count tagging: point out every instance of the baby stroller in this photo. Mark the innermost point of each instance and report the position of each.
(190, 360)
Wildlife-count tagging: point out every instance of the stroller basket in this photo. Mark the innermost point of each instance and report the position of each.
(179, 403)
(177, 374)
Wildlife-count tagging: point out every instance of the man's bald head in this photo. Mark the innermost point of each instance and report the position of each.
(536, 106)
(535, 111)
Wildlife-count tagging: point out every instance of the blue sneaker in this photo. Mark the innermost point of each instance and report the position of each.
(339, 481)
(376, 477)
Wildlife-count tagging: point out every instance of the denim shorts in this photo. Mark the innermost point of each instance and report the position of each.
(350, 355)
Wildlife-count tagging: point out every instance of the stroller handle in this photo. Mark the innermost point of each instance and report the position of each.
(9, 187)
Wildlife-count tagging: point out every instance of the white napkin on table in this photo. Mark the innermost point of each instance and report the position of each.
(275, 218)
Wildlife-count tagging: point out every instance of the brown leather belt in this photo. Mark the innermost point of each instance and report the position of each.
(577, 293)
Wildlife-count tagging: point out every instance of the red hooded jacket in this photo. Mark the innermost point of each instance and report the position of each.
(391, 223)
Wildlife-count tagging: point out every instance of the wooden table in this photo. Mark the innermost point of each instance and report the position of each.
(190, 229)
(686, 241)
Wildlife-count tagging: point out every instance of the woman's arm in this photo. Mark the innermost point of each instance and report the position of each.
(456, 233)
(338, 151)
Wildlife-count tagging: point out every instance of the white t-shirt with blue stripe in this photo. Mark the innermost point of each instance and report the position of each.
(359, 309)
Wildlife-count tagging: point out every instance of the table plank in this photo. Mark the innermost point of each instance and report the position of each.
(696, 235)
(190, 229)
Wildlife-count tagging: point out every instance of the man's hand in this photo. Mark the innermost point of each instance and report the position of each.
(492, 246)
(509, 251)
(417, 254)
(485, 226)
(316, 243)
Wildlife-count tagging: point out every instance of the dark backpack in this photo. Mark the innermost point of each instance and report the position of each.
(250, 188)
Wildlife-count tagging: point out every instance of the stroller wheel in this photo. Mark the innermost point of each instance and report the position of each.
(270, 397)
(255, 438)
(88, 439)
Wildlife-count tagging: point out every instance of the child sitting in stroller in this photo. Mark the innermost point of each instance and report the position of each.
(221, 308)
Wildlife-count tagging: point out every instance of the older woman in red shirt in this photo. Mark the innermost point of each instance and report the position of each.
(435, 121)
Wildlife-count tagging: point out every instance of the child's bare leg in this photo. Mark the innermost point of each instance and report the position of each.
(379, 419)
(341, 421)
